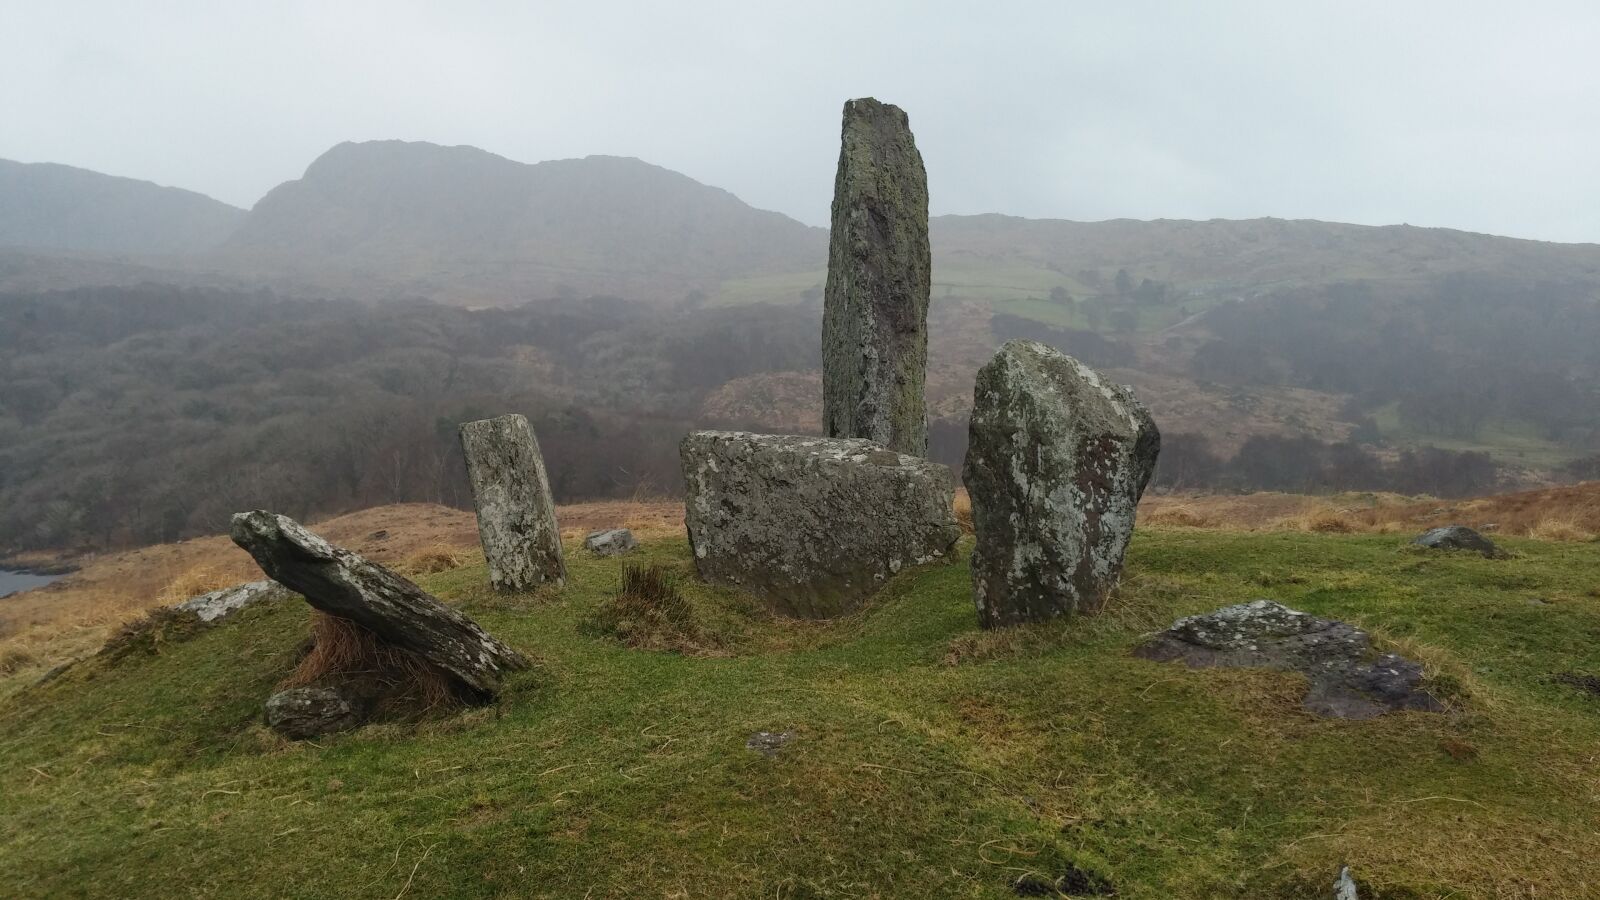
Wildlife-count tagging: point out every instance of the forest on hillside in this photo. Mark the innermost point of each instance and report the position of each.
(136, 415)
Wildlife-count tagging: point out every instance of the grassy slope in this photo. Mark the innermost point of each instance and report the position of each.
(615, 772)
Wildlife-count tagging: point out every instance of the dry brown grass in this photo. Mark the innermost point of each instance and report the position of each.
(344, 651)
(1560, 528)
(1177, 515)
(1320, 520)
(651, 613)
(963, 511)
(432, 560)
(194, 581)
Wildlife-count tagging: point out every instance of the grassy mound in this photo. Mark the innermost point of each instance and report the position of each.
(925, 758)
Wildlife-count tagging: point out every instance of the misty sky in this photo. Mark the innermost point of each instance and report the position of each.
(1474, 115)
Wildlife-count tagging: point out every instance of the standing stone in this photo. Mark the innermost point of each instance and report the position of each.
(875, 311)
(1056, 461)
(516, 516)
(345, 584)
(811, 525)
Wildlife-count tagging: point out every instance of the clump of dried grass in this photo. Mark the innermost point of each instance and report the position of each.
(432, 560)
(1560, 528)
(650, 612)
(15, 659)
(963, 511)
(1177, 516)
(194, 581)
(1319, 520)
(346, 652)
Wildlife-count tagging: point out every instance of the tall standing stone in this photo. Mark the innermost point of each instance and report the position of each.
(1057, 459)
(875, 314)
(516, 515)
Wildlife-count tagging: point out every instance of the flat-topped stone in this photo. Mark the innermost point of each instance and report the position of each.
(812, 525)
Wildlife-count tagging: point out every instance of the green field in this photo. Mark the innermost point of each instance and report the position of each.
(929, 759)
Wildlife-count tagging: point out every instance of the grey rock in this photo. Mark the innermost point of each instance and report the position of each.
(308, 712)
(1057, 458)
(610, 542)
(1459, 537)
(1348, 679)
(345, 584)
(221, 604)
(768, 743)
(516, 514)
(875, 307)
(812, 525)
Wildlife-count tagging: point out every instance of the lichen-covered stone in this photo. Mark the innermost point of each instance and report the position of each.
(875, 308)
(217, 605)
(1459, 537)
(345, 584)
(610, 542)
(1057, 458)
(813, 525)
(1349, 680)
(308, 712)
(516, 514)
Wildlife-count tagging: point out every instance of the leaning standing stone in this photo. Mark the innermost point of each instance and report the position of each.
(875, 311)
(516, 516)
(1056, 461)
(811, 525)
(345, 584)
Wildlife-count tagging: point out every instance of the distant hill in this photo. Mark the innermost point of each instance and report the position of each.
(44, 206)
(462, 225)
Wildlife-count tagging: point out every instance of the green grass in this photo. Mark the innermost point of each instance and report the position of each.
(612, 772)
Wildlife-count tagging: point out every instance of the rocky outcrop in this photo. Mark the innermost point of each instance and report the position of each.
(516, 514)
(219, 605)
(1459, 537)
(610, 542)
(813, 525)
(1057, 458)
(345, 584)
(1349, 680)
(308, 712)
(875, 312)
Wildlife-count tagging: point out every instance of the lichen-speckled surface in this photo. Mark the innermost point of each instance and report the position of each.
(875, 313)
(516, 514)
(1057, 459)
(812, 525)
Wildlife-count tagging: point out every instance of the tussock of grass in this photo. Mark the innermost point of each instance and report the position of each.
(433, 560)
(152, 633)
(651, 613)
(1176, 516)
(1560, 528)
(344, 652)
(194, 581)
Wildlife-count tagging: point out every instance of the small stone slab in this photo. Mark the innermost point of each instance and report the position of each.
(1459, 537)
(610, 542)
(308, 712)
(812, 525)
(218, 605)
(516, 513)
(768, 743)
(345, 584)
(1348, 679)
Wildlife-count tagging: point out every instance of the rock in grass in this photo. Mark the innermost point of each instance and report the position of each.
(1459, 537)
(1348, 679)
(516, 514)
(610, 542)
(1344, 887)
(812, 525)
(875, 307)
(345, 584)
(308, 712)
(221, 604)
(1057, 458)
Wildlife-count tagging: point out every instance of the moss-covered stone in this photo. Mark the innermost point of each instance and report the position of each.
(875, 314)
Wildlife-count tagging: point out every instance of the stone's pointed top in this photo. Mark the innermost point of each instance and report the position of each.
(871, 107)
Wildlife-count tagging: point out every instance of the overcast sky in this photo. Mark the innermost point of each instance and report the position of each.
(1467, 114)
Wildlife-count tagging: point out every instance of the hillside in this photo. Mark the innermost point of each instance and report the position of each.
(44, 206)
(925, 758)
(458, 224)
